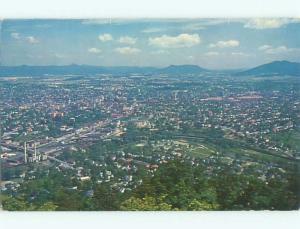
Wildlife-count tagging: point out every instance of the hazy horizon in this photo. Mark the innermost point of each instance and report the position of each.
(142, 66)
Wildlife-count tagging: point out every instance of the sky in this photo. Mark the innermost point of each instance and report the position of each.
(210, 43)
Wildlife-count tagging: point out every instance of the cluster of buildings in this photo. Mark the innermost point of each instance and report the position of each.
(42, 120)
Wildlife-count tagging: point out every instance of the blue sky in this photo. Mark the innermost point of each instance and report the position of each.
(210, 43)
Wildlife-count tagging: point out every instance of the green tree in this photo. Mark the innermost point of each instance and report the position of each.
(16, 204)
(197, 205)
(147, 203)
(105, 198)
(48, 206)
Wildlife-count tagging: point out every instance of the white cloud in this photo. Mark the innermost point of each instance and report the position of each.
(96, 21)
(29, 39)
(236, 54)
(211, 54)
(116, 21)
(15, 36)
(32, 40)
(127, 40)
(269, 23)
(277, 50)
(241, 54)
(105, 37)
(152, 30)
(185, 25)
(264, 47)
(127, 50)
(268, 49)
(215, 21)
(182, 40)
(225, 44)
(177, 27)
(94, 50)
(193, 26)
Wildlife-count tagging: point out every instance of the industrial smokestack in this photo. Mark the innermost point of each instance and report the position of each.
(25, 152)
(35, 158)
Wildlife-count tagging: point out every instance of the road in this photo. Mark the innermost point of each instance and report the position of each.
(57, 145)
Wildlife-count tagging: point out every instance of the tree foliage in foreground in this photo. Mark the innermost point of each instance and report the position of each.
(175, 186)
(189, 188)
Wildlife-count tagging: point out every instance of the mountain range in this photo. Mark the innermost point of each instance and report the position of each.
(273, 68)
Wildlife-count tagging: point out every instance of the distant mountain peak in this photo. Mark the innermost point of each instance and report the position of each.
(182, 69)
(278, 67)
(184, 66)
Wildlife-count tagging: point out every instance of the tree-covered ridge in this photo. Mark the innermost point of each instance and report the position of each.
(187, 188)
(175, 186)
